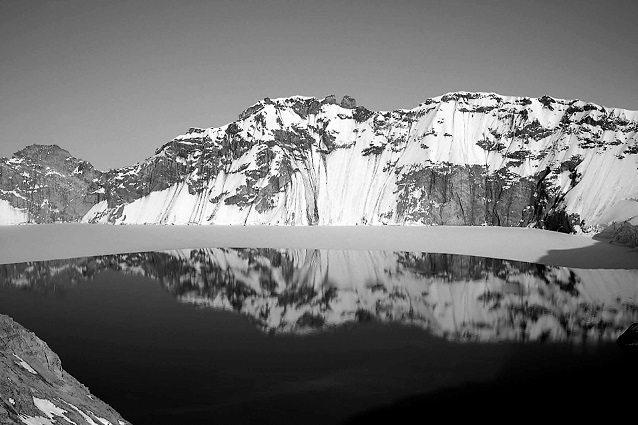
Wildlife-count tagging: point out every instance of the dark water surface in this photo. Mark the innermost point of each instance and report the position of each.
(264, 336)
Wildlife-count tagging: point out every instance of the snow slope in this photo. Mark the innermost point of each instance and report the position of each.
(11, 215)
(461, 158)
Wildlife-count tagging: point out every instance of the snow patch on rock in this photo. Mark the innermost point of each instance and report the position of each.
(12, 215)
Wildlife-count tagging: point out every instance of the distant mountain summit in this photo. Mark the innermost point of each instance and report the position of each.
(462, 158)
(44, 183)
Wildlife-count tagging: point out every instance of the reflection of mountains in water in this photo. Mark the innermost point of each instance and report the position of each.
(462, 298)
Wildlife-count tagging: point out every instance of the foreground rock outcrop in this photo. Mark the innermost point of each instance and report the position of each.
(458, 159)
(34, 389)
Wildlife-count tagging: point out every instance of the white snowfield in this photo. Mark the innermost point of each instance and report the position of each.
(70, 240)
(12, 215)
(350, 186)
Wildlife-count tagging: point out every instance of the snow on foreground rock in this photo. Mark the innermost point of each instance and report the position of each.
(458, 159)
(34, 389)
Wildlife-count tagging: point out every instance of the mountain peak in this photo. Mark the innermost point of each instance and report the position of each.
(40, 151)
(299, 103)
(348, 102)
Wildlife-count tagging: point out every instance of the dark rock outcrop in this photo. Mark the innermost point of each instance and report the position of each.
(348, 102)
(33, 385)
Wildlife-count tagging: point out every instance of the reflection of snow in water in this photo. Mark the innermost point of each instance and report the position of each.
(462, 298)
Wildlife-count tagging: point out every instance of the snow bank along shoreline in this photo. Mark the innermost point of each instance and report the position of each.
(70, 240)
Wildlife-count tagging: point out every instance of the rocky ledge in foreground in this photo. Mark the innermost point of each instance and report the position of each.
(34, 389)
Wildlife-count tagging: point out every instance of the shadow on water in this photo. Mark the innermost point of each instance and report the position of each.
(603, 254)
(562, 387)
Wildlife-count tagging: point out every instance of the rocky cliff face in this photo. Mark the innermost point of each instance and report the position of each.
(45, 184)
(458, 159)
(460, 298)
(34, 389)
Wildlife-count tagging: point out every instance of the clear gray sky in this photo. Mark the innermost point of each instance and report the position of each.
(112, 80)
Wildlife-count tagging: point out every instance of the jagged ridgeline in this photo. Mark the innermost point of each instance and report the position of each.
(458, 159)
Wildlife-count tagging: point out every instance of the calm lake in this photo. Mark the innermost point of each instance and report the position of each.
(301, 336)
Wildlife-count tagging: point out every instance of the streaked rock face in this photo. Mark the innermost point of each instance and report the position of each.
(462, 158)
(35, 389)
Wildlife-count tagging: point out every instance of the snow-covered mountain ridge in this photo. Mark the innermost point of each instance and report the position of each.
(461, 158)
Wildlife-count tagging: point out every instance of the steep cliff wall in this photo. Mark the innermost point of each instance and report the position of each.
(461, 158)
